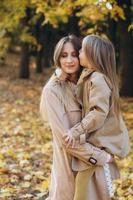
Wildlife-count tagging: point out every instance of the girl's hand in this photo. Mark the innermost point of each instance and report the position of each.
(110, 158)
(69, 140)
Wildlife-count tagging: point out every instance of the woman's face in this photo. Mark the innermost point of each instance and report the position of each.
(69, 59)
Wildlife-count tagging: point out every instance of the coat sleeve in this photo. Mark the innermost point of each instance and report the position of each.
(99, 104)
(52, 110)
(52, 105)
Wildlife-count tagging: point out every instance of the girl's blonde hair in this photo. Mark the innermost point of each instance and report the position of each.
(75, 41)
(101, 55)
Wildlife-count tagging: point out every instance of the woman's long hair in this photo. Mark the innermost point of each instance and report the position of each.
(101, 55)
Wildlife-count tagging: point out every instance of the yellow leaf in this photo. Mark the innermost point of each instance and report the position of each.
(1, 156)
(130, 27)
(11, 153)
(26, 184)
(45, 184)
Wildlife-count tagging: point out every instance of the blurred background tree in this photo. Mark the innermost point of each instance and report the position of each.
(36, 25)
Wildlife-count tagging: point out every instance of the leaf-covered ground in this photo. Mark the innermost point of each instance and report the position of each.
(25, 143)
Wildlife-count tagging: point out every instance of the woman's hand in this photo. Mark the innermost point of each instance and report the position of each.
(69, 140)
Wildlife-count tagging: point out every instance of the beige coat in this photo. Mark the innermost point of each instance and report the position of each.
(100, 125)
(60, 108)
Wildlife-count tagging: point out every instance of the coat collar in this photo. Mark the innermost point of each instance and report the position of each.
(55, 77)
(86, 72)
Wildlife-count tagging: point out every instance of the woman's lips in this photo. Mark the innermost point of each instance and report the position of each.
(70, 66)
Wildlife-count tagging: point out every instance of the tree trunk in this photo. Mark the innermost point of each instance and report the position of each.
(125, 51)
(72, 26)
(48, 45)
(25, 57)
(24, 62)
(39, 67)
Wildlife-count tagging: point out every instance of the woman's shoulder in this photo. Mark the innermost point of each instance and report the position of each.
(51, 84)
(52, 87)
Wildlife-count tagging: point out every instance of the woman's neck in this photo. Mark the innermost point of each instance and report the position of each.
(63, 76)
(73, 77)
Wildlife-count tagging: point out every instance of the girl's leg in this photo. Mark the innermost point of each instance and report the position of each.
(91, 184)
(99, 184)
(82, 182)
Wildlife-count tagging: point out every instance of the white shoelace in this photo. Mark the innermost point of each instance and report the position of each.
(108, 180)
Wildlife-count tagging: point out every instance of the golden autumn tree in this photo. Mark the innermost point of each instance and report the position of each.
(38, 24)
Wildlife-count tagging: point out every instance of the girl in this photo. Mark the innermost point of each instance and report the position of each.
(60, 108)
(102, 124)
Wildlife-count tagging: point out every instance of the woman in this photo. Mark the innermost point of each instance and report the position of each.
(61, 109)
(102, 122)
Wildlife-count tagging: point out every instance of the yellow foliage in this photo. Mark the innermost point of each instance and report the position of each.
(45, 184)
(25, 37)
(11, 153)
(130, 27)
(117, 12)
(54, 12)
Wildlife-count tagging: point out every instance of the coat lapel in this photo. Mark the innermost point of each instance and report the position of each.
(86, 72)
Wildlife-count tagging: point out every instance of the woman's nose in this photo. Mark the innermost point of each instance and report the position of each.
(69, 59)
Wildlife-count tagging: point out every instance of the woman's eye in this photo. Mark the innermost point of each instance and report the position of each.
(63, 55)
(74, 55)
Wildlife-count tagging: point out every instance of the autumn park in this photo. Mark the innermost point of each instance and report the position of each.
(29, 31)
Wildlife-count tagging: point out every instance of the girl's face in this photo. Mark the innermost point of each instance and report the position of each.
(69, 59)
(83, 59)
